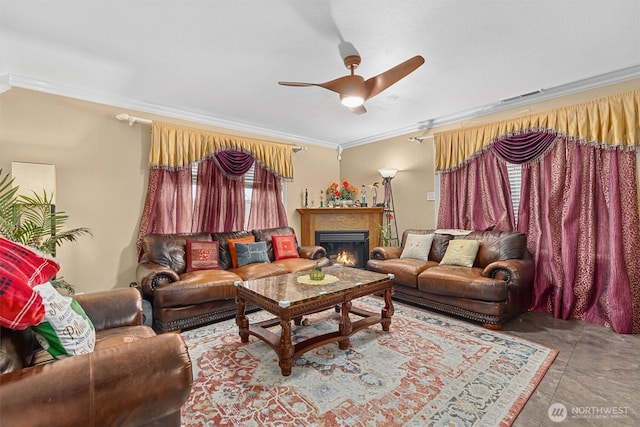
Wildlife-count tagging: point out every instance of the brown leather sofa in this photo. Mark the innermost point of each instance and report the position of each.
(182, 299)
(496, 288)
(133, 377)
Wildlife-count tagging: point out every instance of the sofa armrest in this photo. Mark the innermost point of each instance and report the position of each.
(131, 384)
(149, 275)
(386, 252)
(516, 272)
(113, 308)
(312, 252)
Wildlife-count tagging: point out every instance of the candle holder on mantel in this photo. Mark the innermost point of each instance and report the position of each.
(389, 229)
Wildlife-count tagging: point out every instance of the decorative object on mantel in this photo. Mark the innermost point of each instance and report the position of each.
(374, 199)
(389, 230)
(341, 195)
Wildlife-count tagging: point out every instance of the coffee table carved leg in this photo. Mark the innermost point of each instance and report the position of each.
(345, 326)
(242, 321)
(387, 311)
(285, 350)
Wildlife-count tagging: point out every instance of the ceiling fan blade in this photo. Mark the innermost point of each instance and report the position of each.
(357, 110)
(378, 83)
(296, 84)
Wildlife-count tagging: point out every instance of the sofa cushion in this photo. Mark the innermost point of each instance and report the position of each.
(294, 265)
(405, 270)
(231, 243)
(284, 246)
(498, 246)
(251, 253)
(202, 255)
(417, 246)
(114, 337)
(461, 252)
(462, 282)
(258, 271)
(169, 250)
(197, 287)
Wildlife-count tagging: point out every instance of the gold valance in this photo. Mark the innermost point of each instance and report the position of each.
(609, 121)
(176, 147)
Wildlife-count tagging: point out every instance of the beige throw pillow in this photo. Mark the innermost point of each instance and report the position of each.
(417, 246)
(461, 252)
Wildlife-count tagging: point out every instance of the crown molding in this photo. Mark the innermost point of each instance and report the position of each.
(424, 125)
(506, 104)
(163, 110)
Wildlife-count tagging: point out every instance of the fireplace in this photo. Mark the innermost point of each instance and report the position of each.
(349, 247)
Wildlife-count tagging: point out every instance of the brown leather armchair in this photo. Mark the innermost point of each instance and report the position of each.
(132, 378)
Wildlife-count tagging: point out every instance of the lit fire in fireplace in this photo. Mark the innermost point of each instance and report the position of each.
(346, 258)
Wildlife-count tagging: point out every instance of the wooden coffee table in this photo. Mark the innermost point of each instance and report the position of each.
(287, 299)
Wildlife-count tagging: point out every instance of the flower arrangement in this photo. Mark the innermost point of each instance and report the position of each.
(345, 191)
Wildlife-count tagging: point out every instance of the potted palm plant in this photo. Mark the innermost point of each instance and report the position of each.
(32, 222)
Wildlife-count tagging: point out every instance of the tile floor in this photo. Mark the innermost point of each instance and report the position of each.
(596, 372)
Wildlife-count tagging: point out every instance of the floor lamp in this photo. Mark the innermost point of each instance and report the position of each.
(389, 231)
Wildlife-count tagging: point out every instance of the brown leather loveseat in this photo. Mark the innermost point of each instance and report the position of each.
(496, 288)
(183, 299)
(132, 378)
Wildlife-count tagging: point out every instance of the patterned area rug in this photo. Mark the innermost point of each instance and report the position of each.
(428, 370)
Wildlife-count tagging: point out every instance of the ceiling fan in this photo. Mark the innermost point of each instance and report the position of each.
(354, 89)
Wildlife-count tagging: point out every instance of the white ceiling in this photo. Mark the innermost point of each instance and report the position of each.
(219, 61)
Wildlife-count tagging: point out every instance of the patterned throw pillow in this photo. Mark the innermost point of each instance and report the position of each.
(417, 246)
(285, 246)
(202, 255)
(251, 253)
(232, 247)
(21, 268)
(461, 252)
(66, 329)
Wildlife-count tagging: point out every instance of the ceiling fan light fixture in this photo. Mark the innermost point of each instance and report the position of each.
(351, 101)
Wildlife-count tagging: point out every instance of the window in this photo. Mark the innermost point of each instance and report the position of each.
(248, 189)
(515, 181)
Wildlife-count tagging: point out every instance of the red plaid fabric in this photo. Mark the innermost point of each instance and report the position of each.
(20, 269)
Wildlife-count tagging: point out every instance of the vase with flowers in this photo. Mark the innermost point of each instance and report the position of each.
(342, 194)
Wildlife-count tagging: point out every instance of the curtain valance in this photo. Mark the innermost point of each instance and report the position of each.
(609, 121)
(176, 147)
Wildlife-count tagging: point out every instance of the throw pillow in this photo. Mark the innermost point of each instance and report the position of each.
(417, 246)
(232, 247)
(285, 246)
(20, 269)
(202, 255)
(461, 252)
(251, 253)
(66, 330)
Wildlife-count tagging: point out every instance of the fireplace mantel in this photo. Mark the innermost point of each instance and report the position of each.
(312, 219)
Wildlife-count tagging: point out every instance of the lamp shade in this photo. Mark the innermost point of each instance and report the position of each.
(34, 177)
(388, 172)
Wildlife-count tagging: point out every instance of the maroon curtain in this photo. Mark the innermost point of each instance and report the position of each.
(168, 204)
(267, 209)
(476, 196)
(579, 209)
(219, 199)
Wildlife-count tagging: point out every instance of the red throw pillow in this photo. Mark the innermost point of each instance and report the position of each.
(22, 268)
(202, 255)
(284, 246)
(232, 248)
